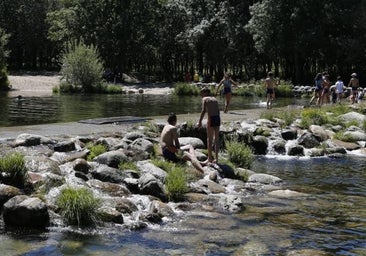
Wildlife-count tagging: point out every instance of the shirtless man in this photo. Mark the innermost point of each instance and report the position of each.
(270, 86)
(170, 146)
(211, 106)
(353, 82)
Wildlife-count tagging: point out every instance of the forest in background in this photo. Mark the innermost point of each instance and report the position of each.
(160, 40)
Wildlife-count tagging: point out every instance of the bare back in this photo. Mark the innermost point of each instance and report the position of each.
(169, 136)
(211, 106)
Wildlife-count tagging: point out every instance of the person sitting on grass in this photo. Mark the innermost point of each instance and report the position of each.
(171, 148)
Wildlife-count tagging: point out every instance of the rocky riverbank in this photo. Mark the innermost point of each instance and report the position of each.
(134, 199)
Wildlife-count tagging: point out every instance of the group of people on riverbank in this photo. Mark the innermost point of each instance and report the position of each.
(325, 92)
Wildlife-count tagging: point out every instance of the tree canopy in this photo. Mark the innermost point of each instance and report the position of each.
(163, 39)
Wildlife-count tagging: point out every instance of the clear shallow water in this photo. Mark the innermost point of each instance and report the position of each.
(70, 108)
(331, 220)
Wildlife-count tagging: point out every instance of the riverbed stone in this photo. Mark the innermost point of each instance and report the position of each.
(260, 145)
(109, 188)
(319, 132)
(7, 192)
(28, 140)
(352, 116)
(108, 174)
(26, 211)
(295, 150)
(111, 158)
(286, 193)
(289, 134)
(195, 142)
(279, 146)
(355, 135)
(150, 185)
(308, 140)
(64, 146)
(342, 144)
(264, 178)
(109, 214)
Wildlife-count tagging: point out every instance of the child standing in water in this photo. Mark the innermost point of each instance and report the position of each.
(270, 86)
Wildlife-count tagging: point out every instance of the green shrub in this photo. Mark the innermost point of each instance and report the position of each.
(128, 166)
(95, 150)
(342, 137)
(186, 89)
(313, 116)
(82, 66)
(239, 153)
(284, 90)
(78, 206)
(4, 80)
(176, 183)
(13, 166)
(165, 165)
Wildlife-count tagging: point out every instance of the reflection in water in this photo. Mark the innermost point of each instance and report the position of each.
(69, 108)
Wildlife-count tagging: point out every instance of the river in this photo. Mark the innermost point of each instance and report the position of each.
(331, 220)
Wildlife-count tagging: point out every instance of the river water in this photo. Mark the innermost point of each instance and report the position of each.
(331, 220)
(71, 108)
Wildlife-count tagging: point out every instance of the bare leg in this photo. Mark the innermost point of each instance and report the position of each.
(210, 143)
(227, 101)
(216, 142)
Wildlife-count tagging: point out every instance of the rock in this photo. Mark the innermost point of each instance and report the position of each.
(352, 116)
(148, 167)
(260, 145)
(195, 142)
(7, 192)
(111, 158)
(231, 203)
(26, 211)
(109, 214)
(28, 140)
(287, 193)
(210, 186)
(355, 135)
(264, 178)
(142, 145)
(295, 150)
(319, 133)
(149, 185)
(308, 140)
(279, 146)
(108, 174)
(343, 144)
(81, 165)
(111, 189)
(64, 146)
(289, 134)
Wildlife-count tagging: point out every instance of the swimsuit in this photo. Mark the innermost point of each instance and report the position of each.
(168, 155)
(227, 87)
(270, 91)
(215, 121)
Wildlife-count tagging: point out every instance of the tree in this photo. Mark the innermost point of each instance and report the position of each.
(4, 53)
(81, 66)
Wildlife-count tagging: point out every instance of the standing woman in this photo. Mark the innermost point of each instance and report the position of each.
(227, 91)
(318, 88)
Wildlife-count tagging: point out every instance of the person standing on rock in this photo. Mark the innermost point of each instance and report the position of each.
(170, 146)
(211, 106)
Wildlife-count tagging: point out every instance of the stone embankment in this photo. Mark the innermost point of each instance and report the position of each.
(136, 198)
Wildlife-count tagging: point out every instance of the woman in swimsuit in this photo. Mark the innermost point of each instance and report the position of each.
(227, 91)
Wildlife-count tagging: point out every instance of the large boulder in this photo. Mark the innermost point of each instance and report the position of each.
(26, 211)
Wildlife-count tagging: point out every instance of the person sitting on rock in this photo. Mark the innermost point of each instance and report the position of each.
(171, 148)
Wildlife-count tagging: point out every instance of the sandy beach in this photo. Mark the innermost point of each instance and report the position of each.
(41, 85)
